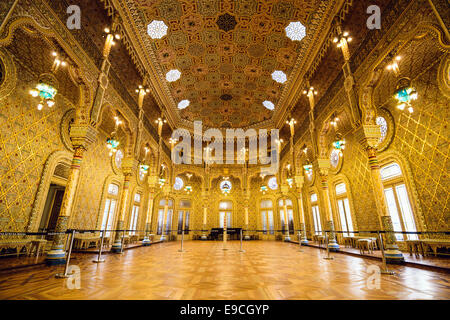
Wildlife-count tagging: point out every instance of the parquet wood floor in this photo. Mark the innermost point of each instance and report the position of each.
(267, 270)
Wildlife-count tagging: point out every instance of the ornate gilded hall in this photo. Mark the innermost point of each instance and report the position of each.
(224, 150)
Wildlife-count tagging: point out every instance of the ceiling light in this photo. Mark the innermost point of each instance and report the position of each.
(157, 29)
(279, 76)
(269, 105)
(173, 75)
(183, 104)
(295, 31)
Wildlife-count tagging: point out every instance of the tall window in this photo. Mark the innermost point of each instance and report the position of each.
(398, 202)
(344, 210)
(290, 214)
(225, 209)
(183, 216)
(135, 213)
(162, 204)
(267, 216)
(316, 214)
(110, 208)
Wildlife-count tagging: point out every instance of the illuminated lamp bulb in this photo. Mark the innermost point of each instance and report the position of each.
(410, 109)
(117, 36)
(401, 106)
(107, 30)
(34, 93)
(50, 103)
(40, 106)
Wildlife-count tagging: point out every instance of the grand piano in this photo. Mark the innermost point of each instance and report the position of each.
(233, 233)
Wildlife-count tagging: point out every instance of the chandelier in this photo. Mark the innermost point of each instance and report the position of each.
(45, 90)
(188, 188)
(339, 144)
(225, 186)
(405, 93)
(111, 142)
(263, 189)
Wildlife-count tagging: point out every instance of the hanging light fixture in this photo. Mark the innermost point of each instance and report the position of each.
(334, 120)
(263, 189)
(188, 187)
(111, 142)
(342, 38)
(404, 93)
(162, 180)
(339, 144)
(46, 87)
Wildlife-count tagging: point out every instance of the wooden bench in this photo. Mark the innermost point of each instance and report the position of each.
(366, 244)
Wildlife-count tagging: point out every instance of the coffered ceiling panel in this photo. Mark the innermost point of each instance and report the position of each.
(227, 52)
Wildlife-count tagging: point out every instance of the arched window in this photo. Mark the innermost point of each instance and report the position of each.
(289, 215)
(397, 200)
(225, 212)
(183, 216)
(316, 214)
(344, 210)
(266, 209)
(162, 204)
(110, 208)
(135, 213)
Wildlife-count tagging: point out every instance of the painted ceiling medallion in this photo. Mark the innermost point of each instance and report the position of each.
(173, 75)
(183, 104)
(296, 31)
(279, 76)
(226, 22)
(157, 29)
(269, 105)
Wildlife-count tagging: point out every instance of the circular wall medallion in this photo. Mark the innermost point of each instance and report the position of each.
(272, 183)
(225, 185)
(178, 185)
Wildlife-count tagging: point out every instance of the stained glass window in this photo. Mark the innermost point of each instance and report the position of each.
(334, 158)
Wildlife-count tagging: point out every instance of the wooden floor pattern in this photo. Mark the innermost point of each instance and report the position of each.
(267, 270)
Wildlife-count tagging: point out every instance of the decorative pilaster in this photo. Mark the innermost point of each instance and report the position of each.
(246, 205)
(324, 166)
(369, 137)
(166, 192)
(81, 137)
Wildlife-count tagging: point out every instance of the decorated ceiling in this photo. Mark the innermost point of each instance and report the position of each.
(226, 62)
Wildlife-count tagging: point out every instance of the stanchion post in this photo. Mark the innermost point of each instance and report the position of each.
(240, 250)
(65, 275)
(99, 258)
(328, 249)
(385, 270)
(182, 240)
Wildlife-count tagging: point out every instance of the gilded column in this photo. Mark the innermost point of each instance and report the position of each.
(284, 191)
(369, 137)
(299, 180)
(148, 218)
(246, 206)
(205, 215)
(81, 136)
(127, 169)
(393, 254)
(164, 234)
(324, 166)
